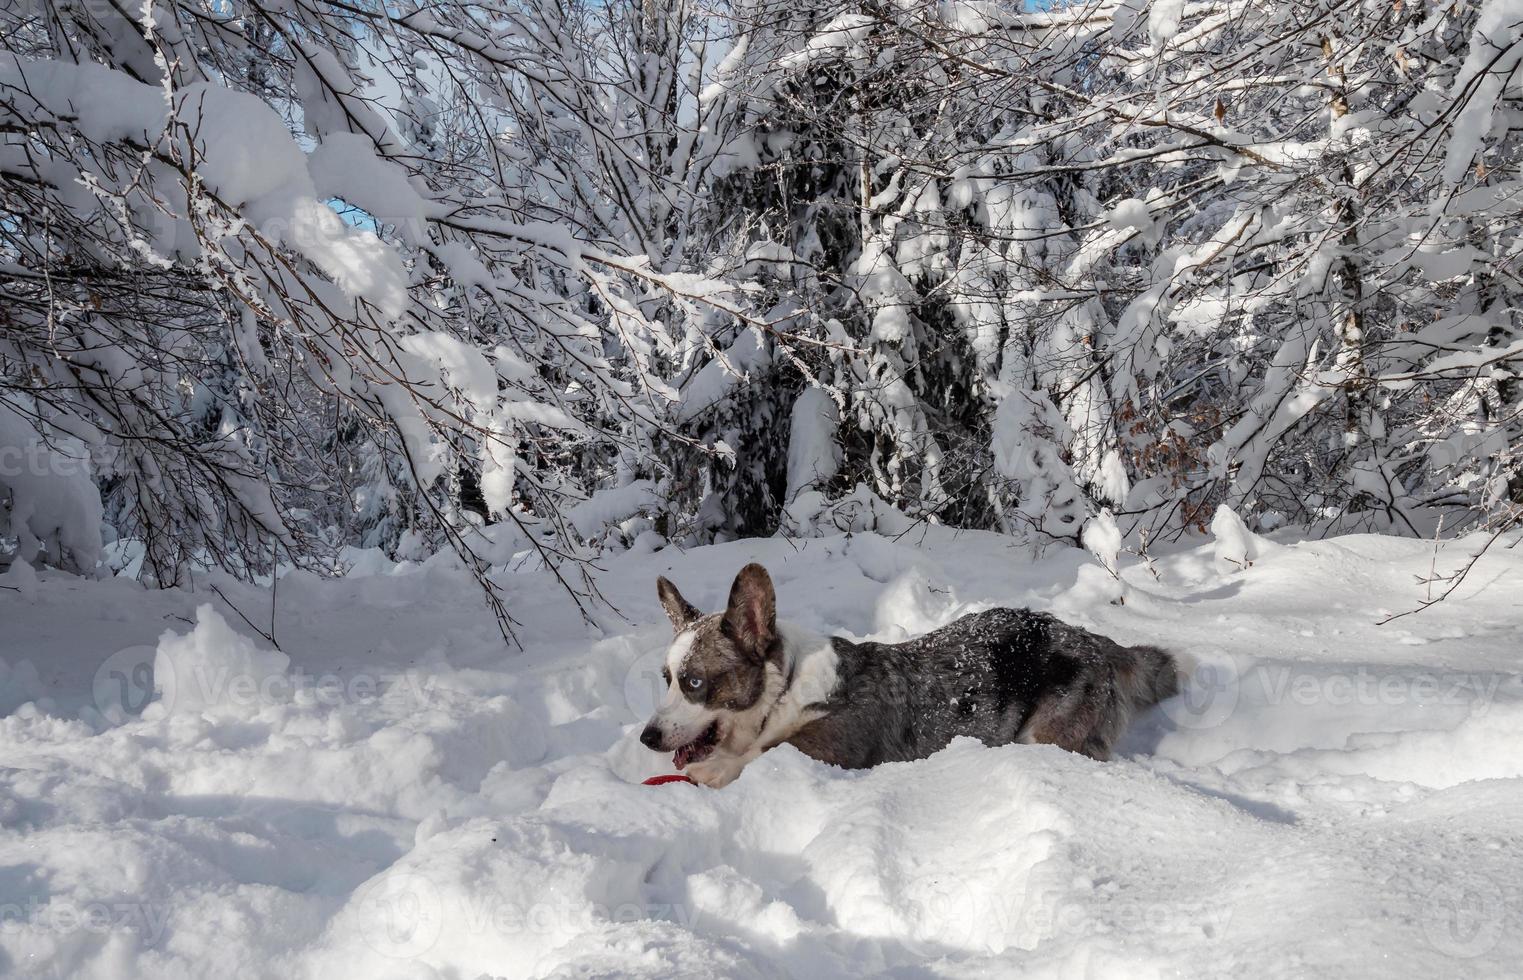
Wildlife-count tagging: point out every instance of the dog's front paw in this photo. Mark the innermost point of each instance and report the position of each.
(719, 769)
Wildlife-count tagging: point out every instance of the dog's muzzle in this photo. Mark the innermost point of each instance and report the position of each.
(694, 749)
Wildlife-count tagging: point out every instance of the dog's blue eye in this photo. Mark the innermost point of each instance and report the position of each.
(695, 682)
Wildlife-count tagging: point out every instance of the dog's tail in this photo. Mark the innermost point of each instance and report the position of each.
(1154, 677)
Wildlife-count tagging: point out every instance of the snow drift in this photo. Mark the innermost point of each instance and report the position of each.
(395, 794)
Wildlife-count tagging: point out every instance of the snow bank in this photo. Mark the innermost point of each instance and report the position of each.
(214, 669)
(405, 798)
(1236, 547)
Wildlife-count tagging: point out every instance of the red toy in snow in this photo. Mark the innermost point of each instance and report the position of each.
(675, 777)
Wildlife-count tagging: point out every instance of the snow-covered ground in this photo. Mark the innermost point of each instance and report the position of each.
(399, 794)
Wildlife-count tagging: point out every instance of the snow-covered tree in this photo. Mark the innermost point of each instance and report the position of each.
(310, 271)
(1253, 256)
(533, 277)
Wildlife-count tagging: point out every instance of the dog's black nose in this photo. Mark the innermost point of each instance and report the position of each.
(651, 737)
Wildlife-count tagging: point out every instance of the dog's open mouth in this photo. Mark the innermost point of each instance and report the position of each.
(699, 748)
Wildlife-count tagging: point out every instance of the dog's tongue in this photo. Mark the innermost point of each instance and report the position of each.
(684, 755)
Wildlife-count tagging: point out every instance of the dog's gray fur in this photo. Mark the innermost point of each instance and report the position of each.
(744, 683)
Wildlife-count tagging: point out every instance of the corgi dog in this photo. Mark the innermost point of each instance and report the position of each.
(739, 682)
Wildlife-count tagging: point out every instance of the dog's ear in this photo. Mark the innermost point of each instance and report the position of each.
(750, 621)
(678, 610)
